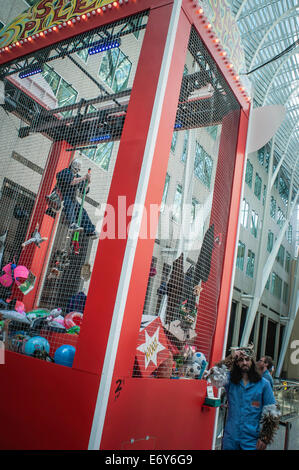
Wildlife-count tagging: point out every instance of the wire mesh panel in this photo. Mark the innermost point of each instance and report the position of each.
(180, 308)
(62, 116)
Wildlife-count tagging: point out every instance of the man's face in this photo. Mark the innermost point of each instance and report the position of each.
(244, 362)
(261, 363)
(76, 167)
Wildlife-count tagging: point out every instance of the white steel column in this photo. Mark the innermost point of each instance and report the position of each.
(294, 307)
(264, 269)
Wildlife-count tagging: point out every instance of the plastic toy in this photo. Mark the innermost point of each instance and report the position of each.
(13, 273)
(37, 313)
(36, 238)
(36, 343)
(55, 313)
(64, 355)
(14, 315)
(193, 370)
(196, 366)
(73, 319)
(20, 307)
(27, 285)
(17, 342)
(75, 330)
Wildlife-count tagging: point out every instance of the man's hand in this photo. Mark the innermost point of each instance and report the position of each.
(197, 290)
(260, 445)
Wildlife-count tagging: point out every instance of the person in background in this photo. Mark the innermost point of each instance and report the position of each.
(69, 182)
(253, 416)
(265, 366)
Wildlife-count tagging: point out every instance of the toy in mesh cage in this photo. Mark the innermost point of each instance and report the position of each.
(190, 363)
(60, 262)
(36, 238)
(17, 275)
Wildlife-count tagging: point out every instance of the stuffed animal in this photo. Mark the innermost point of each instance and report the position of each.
(196, 367)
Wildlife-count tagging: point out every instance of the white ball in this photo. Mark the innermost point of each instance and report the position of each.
(198, 357)
(193, 370)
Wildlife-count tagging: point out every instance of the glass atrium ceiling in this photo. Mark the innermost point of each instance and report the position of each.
(270, 34)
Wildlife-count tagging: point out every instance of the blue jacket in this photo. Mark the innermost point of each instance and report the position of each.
(268, 376)
(245, 405)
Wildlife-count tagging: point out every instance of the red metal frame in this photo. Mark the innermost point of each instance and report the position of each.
(56, 402)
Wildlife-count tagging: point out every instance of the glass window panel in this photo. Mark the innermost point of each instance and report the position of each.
(83, 55)
(177, 204)
(264, 194)
(270, 241)
(280, 255)
(212, 130)
(174, 141)
(66, 95)
(244, 213)
(260, 155)
(185, 146)
(288, 262)
(103, 155)
(240, 255)
(122, 73)
(258, 186)
(165, 191)
(273, 208)
(267, 156)
(51, 77)
(194, 208)
(203, 166)
(254, 223)
(249, 173)
(250, 263)
(285, 292)
(185, 70)
(135, 23)
(89, 153)
(290, 234)
(276, 286)
(108, 66)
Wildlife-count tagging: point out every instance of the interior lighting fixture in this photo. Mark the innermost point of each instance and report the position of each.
(178, 125)
(103, 46)
(99, 138)
(30, 71)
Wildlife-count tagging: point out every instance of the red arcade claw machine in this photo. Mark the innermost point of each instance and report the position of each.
(123, 129)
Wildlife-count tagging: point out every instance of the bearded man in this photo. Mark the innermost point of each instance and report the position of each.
(253, 416)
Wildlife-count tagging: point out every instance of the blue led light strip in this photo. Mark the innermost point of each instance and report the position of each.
(31, 71)
(100, 137)
(103, 46)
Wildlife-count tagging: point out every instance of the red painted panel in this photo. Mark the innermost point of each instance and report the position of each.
(159, 414)
(45, 406)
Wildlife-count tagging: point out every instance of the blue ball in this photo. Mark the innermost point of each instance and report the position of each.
(36, 343)
(64, 355)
